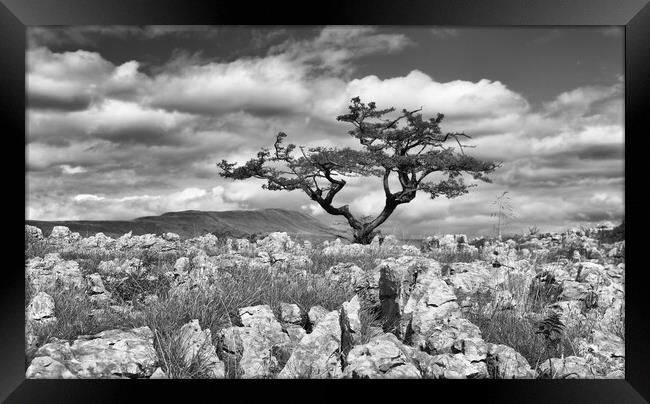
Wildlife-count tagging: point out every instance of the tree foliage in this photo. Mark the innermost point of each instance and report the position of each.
(408, 147)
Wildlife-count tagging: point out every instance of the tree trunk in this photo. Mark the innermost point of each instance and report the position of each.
(364, 235)
(366, 232)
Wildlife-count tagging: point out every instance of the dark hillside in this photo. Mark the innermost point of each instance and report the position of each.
(191, 223)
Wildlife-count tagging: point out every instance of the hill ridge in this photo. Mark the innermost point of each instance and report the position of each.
(192, 223)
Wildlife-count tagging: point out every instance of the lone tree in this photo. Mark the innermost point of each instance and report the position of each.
(411, 151)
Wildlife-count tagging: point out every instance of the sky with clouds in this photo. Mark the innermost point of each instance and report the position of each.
(130, 121)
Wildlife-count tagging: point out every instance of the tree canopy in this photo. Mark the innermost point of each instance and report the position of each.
(408, 147)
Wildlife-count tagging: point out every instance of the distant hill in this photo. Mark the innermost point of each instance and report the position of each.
(192, 223)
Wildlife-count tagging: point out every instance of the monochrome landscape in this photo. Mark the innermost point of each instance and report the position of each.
(324, 202)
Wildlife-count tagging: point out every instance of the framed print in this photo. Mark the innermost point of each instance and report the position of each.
(427, 194)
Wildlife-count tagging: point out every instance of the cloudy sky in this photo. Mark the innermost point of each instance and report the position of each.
(130, 121)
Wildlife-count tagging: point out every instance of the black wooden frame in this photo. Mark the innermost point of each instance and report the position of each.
(16, 15)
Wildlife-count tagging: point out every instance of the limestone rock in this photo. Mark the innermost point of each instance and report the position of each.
(206, 242)
(44, 367)
(316, 356)
(182, 265)
(503, 362)
(249, 350)
(290, 313)
(32, 234)
(159, 374)
(350, 324)
(295, 333)
(56, 349)
(447, 335)
(431, 301)
(470, 278)
(99, 240)
(96, 290)
(383, 357)
(261, 347)
(196, 346)
(261, 317)
(171, 236)
(571, 367)
(276, 242)
(390, 242)
(344, 250)
(411, 250)
(63, 235)
(109, 354)
(117, 267)
(398, 284)
(344, 272)
(40, 310)
(45, 274)
(352, 309)
(316, 314)
(609, 344)
(450, 366)
(95, 284)
(114, 353)
(572, 290)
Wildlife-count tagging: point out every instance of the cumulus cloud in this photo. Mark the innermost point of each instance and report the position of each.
(458, 99)
(226, 87)
(132, 206)
(313, 208)
(71, 81)
(63, 81)
(66, 169)
(336, 46)
(111, 120)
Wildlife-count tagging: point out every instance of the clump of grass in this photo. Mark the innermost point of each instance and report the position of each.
(217, 307)
(89, 260)
(517, 331)
(544, 290)
(39, 248)
(366, 261)
(170, 347)
(478, 242)
(159, 261)
(370, 319)
(261, 287)
(448, 257)
(517, 237)
(135, 287)
(166, 317)
(206, 305)
(72, 308)
(618, 325)
(74, 317)
(519, 326)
